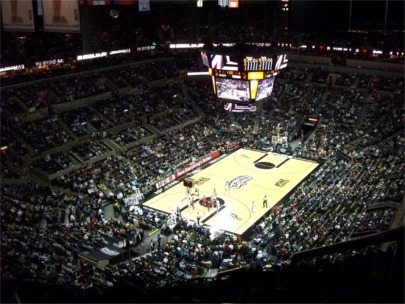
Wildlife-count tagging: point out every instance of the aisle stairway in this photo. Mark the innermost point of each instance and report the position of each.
(234, 121)
(151, 128)
(194, 106)
(259, 108)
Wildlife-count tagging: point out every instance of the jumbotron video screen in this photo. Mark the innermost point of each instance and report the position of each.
(232, 89)
(265, 88)
(240, 78)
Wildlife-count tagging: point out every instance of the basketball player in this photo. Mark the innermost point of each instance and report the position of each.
(189, 200)
(253, 209)
(198, 218)
(214, 194)
(265, 201)
(178, 211)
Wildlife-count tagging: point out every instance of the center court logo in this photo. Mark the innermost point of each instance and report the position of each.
(239, 181)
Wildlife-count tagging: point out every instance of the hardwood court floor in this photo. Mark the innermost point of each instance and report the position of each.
(248, 184)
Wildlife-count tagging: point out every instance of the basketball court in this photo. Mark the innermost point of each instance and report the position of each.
(240, 182)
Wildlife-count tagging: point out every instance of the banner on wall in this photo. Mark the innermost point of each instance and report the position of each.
(233, 3)
(98, 2)
(223, 3)
(233, 146)
(61, 16)
(144, 5)
(124, 2)
(180, 173)
(17, 15)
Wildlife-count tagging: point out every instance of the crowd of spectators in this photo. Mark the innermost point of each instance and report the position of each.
(130, 135)
(42, 134)
(81, 120)
(7, 99)
(174, 117)
(101, 116)
(87, 151)
(30, 96)
(51, 164)
(44, 229)
(79, 87)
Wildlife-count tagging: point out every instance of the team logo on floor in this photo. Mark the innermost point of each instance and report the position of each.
(201, 181)
(282, 182)
(239, 181)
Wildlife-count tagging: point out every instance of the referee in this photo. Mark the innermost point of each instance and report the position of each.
(265, 201)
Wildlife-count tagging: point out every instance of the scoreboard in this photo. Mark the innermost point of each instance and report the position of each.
(229, 74)
(239, 62)
(257, 64)
(242, 77)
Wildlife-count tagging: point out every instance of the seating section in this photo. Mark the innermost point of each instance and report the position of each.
(38, 133)
(97, 154)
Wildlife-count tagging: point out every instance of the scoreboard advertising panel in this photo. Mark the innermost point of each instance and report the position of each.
(244, 63)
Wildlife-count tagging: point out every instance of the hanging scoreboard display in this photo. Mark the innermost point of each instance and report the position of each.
(242, 77)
